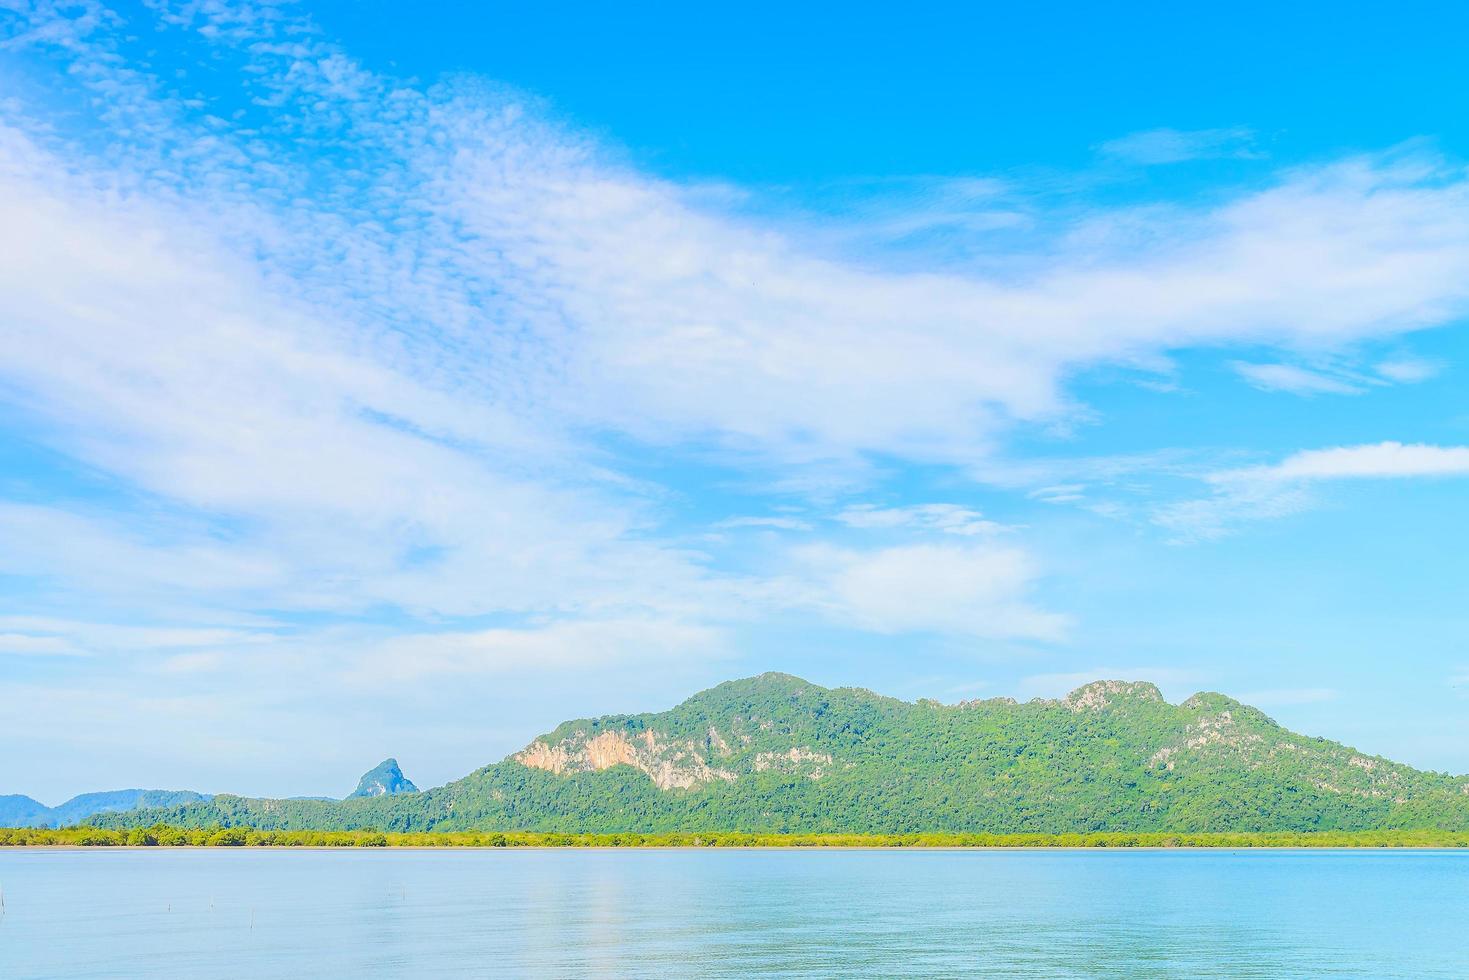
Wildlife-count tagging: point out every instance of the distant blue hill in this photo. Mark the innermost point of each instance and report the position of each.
(22, 811)
(386, 779)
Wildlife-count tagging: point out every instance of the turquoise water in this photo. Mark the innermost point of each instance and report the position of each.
(570, 913)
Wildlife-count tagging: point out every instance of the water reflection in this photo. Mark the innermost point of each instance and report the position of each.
(227, 913)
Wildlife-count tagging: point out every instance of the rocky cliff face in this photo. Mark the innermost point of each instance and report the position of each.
(1099, 695)
(671, 763)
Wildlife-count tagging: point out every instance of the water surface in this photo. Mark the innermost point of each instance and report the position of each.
(201, 913)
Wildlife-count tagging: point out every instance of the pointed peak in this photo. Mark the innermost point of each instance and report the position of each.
(384, 779)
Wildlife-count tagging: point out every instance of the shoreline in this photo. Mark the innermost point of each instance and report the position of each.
(877, 848)
(173, 837)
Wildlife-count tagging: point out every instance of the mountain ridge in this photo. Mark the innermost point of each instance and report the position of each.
(23, 811)
(777, 753)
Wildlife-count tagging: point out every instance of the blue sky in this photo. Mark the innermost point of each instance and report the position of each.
(402, 380)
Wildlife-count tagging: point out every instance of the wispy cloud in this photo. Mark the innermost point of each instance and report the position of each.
(978, 590)
(1162, 146)
(775, 523)
(1409, 370)
(947, 518)
(619, 643)
(1060, 493)
(1293, 379)
(29, 644)
(1335, 379)
(1378, 460)
(1280, 489)
(630, 306)
(47, 634)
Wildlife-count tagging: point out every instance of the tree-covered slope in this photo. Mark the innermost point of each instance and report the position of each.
(775, 753)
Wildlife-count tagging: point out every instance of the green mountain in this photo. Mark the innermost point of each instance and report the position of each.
(775, 753)
(385, 779)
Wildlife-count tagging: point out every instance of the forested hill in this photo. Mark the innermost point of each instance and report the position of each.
(775, 753)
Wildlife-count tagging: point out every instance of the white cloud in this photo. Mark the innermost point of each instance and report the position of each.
(1296, 380)
(1284, 488)
(630, 305)
(98, 555)
(1381, 460)
(92, 637)
(1215, 517)
(1060, 493)
(978, 590)
(1409, 370)
(27, 644)
(706, 326)
(346, 478)
(947, 518)
(1161, 146)
(620, 643)
(573, 289)
(777, 523)
(202, 662)
(1336, 380)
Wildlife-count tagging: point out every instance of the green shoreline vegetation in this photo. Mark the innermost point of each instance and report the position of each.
(162, 835)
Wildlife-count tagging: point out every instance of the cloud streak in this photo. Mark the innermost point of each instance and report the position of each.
(1163, 146)
(1383, 460)
(1293, 379)
(1280, 489)
(945, 518)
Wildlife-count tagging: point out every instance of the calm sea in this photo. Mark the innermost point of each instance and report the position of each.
(571, 913)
